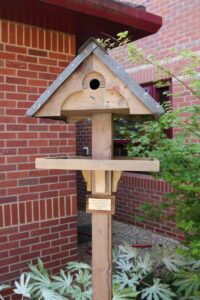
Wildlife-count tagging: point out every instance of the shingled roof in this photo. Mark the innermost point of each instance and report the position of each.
(93, 47)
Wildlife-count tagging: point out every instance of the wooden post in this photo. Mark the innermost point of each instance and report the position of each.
(102, 223)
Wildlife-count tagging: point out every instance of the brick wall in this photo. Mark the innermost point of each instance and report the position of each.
(133, 190)
(181, 30)
(138, 189)
(37, 207)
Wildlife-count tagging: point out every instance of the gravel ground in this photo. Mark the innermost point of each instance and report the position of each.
(123, 232)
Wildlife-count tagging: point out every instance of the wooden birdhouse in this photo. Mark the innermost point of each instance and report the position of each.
(95, 86)
(93, 83)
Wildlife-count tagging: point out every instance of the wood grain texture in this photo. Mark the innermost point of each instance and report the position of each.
(134, 164)
(102, 223)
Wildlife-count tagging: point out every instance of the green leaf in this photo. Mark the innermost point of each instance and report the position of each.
(22, 287)
(125, 280)
(169, 257)
(84, 277)
(76, 266)
(125, 294)
(62, 283)
(187, 282)
(48, 294)
(78, 294)
(158, 291)
(4, 287)
(144, 264)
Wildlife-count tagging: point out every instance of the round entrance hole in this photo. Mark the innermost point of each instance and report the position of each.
(94, 84)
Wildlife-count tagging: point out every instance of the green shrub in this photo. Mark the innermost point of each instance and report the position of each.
(160, 274)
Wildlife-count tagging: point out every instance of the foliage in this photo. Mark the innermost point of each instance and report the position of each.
(160, 274)
(2, 288)
(179, 156)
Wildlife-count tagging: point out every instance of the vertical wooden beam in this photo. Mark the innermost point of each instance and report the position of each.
(102, 133)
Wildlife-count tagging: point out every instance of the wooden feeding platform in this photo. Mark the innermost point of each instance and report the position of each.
(94, 86)
(89, 163)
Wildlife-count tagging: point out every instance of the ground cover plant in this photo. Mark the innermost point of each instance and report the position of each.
(159, 274)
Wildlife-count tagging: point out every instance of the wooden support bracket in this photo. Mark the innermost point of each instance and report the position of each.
(87, 175)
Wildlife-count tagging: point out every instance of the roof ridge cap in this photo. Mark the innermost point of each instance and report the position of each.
(89, 41)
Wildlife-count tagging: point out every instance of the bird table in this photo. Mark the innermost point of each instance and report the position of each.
(94, 86)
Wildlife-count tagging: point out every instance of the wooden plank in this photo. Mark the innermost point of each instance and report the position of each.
(143, 165)
(102, 223)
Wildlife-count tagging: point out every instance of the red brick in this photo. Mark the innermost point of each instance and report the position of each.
(60, 42)
(7, 184)
(55, 70)
(16, 127)
(8, 119)
(72, 44)
(54, 37)
(51, 236)
(30, 241)
(40, 232)
(49, 223)
(40, 246)
(66, 42)
(29, 256)
(37, 52)
(27, 36)
(47, 61)
(15, 65)
(20, 251)
(38, 128)
(39, 68)
(26, 89)
(1, 215)
(6, 55)
(18, 236)
(6, 87)
(58, 56)
(8, 199)
(4, 31)
(41, 39)
(16, 49)
(37, 82)
(18, 190)
(21, 143)
(9, 245)
(19, 34)
(27, 135)
(29, 74)
(16, 80)
(36, 210)
(15, 96)
(7, 168)
(29, 217)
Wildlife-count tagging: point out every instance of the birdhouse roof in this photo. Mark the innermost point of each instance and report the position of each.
(93, 47)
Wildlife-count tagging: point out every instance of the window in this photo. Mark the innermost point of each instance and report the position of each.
(161, 94)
